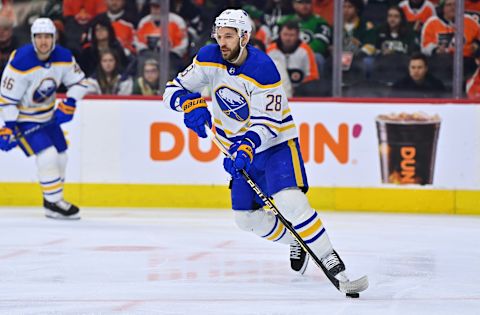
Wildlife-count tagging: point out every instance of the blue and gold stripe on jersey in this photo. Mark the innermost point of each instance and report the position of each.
(258, 68)
(25, 60)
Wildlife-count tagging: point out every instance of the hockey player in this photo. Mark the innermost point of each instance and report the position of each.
(252, 117)
(29, 117)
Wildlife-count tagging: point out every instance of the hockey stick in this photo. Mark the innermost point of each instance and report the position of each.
(350, 288)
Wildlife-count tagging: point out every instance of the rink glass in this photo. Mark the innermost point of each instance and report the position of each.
(407, 147)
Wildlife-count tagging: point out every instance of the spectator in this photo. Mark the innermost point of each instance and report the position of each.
(260, 30)
(77, 14)
(54, 11)
(359, 35)
(108, 78)
(101, 38)
(8, 42)
(148, 82)
(438, 32)
(276, 10)
(191, 14)
(298, 57)
(473, 84)
(149, 31)
(473, 7)
(358, 43)
(325, 9)
(395, 36)
(417, 12)
(137, 9)
(419, 82)
(7, 13)
(314, 30)
(123, 22)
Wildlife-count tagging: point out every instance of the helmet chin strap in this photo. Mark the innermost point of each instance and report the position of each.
(242, 47)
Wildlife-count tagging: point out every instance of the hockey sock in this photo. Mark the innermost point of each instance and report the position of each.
(264, 224)
(49, 174)
(295, 207)
(62, 163)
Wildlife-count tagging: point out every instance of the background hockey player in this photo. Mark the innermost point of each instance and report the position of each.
(27, 103)
(252, 117)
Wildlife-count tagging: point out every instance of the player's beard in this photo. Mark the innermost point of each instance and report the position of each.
(231, 55)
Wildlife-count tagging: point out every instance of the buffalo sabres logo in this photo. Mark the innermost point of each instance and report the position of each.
(45, 90)
(232, 103)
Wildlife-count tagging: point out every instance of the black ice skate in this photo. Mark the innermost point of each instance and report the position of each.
(298, 258)
(334, 265)
(61, 210)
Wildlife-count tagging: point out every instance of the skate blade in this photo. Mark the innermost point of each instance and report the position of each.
(57, 216)
(354, 286)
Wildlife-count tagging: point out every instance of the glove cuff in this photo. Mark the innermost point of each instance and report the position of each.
(190, 105)
(67, 108)
(253, 138)
(247, 149)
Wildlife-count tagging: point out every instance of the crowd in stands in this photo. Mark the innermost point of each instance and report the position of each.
(391, 48)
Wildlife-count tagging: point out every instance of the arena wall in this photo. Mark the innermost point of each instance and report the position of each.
(132, 152)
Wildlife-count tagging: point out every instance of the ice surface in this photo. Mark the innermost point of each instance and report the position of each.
(158, 261)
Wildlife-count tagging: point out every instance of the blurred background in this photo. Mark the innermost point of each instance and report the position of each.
(352, 48)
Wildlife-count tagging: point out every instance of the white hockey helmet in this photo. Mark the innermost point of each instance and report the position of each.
(237, 19)
(43, 26)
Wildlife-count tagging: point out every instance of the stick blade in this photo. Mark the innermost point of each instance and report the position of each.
(354, 286)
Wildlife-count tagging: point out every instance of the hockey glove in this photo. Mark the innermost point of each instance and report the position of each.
(196, 113)
(65, 110)
(229, 164)
(7, 137)
(243, 153)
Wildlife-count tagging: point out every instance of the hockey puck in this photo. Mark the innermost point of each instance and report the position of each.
(353, 295)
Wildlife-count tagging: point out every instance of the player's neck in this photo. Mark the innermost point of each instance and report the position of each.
(43, 57)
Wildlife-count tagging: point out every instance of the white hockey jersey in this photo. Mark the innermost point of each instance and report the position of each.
(245, 97)
(28, 86)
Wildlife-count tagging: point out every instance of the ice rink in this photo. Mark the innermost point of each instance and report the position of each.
(157, 261)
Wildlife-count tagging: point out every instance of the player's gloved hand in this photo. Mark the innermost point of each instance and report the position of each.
(196, 113)
(243, 153)
(229, 163)
(7, 136)
(65, 110)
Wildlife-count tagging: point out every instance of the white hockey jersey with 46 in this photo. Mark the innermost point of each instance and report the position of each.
(29, 85)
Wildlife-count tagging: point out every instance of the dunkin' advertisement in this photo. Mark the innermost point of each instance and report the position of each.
(407, 147)
(434, 146)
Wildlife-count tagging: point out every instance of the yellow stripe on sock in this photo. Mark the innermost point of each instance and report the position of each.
(52, 188)
(311, 230)
(277, 232)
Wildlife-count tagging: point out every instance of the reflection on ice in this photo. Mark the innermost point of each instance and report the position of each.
(139, 261)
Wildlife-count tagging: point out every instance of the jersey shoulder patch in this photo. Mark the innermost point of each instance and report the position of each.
(210, 53)
(25, 58)
(260, 67)
(61, 54)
